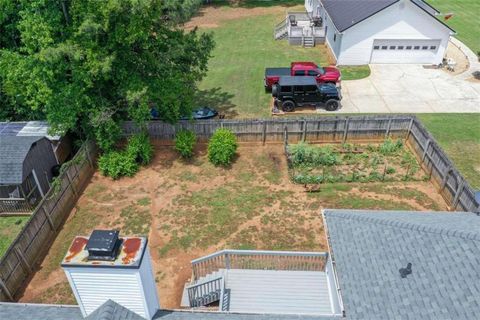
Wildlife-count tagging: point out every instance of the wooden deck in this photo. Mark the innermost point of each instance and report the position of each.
(285, 292)
(272, 291)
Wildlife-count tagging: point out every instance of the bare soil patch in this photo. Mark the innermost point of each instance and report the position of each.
(190, 209)
(213, 16)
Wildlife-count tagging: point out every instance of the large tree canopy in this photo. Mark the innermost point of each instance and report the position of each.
(87, 64)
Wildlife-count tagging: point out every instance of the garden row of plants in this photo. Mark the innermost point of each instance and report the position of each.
(138, 152)
(389, 161)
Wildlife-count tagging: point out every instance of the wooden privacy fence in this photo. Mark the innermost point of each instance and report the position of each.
(331, 129)
(17, 264)
(450, 182)
(452, 186)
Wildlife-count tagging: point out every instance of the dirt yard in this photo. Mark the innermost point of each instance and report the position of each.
(190, 209)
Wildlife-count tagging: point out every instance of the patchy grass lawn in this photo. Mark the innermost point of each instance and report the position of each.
(459, 136)
(9, 228)
(464, 21)
(191, 208)
(244, 48)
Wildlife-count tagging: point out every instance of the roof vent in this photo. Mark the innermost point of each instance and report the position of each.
(103, 245)
(404, 272)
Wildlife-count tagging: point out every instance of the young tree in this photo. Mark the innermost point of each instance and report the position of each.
(86, 65)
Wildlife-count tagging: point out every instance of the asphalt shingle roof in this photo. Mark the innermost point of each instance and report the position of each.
(346, 13)
(13, 150)
(370, 247)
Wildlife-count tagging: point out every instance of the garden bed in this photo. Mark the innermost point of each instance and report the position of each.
(386, 162)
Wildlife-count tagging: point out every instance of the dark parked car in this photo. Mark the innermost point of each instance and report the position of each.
(201, 113)
(292, 92)
(197, 114)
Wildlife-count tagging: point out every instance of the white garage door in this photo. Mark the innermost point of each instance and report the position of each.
(404, 51)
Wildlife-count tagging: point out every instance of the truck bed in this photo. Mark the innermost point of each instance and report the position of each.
(277, 72)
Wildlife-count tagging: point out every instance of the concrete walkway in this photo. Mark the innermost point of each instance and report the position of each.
(471, 56)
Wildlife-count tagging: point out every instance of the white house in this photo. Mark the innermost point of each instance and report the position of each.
(381, 31)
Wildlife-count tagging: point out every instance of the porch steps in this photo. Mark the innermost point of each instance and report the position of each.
(308, 41)
(185, 303)
(281, 30)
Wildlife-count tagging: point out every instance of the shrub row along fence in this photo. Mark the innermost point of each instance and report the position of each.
(433, 159)
(31, 244)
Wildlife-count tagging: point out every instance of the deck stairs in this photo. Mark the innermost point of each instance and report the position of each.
(281, 30)
(204, 291)
(308, 41)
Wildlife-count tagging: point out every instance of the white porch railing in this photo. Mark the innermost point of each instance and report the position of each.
(260, 260)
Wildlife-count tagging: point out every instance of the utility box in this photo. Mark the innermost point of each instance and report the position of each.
(105, 266)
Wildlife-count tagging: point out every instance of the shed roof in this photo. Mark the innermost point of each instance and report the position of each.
(370, 247)
(30, 128)
(13, 151)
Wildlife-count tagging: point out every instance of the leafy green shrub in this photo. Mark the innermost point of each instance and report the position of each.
(185, 142)
(390, 170)
(389, 146)
(305, 154)
(222, 147)
(374, 176)
(140, 149)
(117, 164)
(307, 179)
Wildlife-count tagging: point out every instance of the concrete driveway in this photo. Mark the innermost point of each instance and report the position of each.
(409, 89)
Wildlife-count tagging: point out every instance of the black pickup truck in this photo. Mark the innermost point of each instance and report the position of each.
(291, 92)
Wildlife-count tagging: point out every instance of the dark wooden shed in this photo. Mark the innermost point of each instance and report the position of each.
(25, 172)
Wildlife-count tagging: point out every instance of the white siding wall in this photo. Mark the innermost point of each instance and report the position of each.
(133, 289)
(400, 21)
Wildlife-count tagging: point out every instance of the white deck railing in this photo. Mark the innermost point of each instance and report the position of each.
(259, 260)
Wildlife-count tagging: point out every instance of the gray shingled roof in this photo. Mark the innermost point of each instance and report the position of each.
(346, 13)
(13, 150)
(111, 310)
(370, 247)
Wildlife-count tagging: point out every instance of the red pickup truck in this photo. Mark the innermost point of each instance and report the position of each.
(322, 74)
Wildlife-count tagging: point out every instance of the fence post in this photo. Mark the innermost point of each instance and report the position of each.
(457, 194)
(427, 144)
(87, 155)
(304, 132)
(345, 131)
(70, 182)
(445, 178)
(264, 132)
(5, 290)
(410, 126)
(23, 261)
(387, 132)
(285, 135)
(49, 219)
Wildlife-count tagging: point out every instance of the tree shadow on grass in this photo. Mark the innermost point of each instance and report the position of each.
(217, 99)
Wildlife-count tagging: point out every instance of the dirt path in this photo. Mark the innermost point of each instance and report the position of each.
(213, 16)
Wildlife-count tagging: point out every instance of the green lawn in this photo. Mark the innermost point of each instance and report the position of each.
(464, 21)
(244, 48)
(459, 136)
(9, 228)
